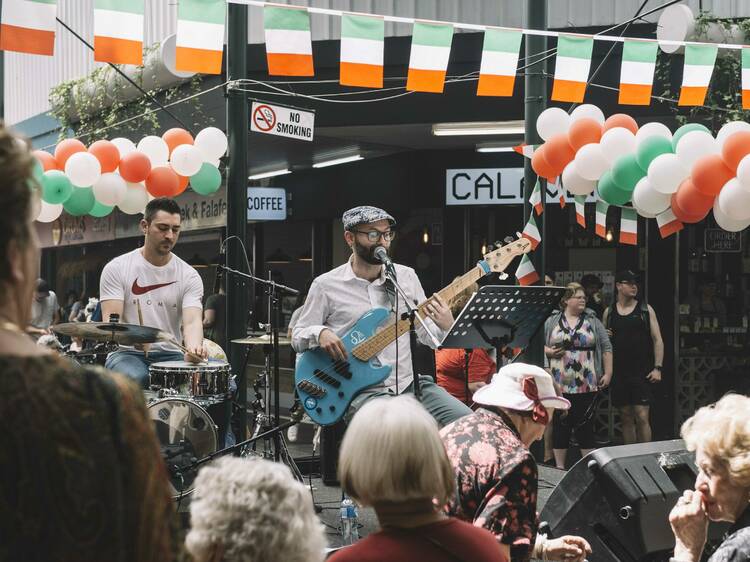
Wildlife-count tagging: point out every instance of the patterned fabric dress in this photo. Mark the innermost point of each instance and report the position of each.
(575, 371)
(81, 477)
(496, 479)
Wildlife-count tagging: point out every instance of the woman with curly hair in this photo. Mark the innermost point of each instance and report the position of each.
(720, 436)
(252, 510)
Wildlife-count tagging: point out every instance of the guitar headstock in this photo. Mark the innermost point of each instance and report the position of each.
(498, 259)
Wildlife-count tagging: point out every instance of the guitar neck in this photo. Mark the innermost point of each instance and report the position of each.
(377, 343)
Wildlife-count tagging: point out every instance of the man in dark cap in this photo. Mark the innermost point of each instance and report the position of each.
(592, 286)
(638, 351)
(339, 298)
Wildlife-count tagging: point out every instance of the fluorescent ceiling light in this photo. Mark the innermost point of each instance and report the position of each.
(270, 174)
(478, 128)
(489, 147)
(336, 161)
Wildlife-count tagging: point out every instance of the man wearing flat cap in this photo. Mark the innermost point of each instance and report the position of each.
(339, 298)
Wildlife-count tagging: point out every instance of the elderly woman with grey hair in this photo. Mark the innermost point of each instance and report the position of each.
(720, 436)
(252, 511)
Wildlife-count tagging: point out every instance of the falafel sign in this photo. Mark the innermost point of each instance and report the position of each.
(282, 121)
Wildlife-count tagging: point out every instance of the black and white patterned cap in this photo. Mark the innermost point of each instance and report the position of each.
(363, 215)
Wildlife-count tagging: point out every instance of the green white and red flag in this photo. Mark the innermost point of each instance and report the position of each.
(288, 41)
(637, 72)
(536, 198)
(601, 218)
(531, 232)
(580, 202)
(200, 35)
(428, 62)
(362, 41)
(526, 273)
(526, 150)
(745, 77)
(572, 67)
(668, 223)
(497, 71)
(696, 74)
(118, 31)
(628, 226)
(28, 26)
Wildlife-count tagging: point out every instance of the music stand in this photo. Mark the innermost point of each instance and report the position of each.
(501, 316)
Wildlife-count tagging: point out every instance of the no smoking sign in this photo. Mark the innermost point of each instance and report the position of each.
(282, 121)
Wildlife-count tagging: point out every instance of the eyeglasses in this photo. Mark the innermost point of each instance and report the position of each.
(374, 235)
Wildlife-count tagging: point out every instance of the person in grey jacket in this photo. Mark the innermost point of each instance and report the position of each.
(579, 357)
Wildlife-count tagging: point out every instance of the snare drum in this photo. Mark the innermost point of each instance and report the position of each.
(185, 433)
(191, 379)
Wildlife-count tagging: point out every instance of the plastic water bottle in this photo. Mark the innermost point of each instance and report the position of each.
(349, 531)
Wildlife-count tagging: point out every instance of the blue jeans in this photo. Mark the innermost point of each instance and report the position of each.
(134, 364)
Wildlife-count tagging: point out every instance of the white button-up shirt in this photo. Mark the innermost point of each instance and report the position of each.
(339, 298)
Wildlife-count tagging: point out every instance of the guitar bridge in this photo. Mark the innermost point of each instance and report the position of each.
(312, 389)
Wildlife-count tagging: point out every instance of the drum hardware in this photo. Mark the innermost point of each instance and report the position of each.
(112, 332)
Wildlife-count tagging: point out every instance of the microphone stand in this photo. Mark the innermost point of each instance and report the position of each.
(274, 291)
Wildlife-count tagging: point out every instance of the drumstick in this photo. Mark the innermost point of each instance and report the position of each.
(140, 323)
(186, 350)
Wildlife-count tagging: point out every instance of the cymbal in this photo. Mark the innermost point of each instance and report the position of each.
(265, 339)
(125, 334)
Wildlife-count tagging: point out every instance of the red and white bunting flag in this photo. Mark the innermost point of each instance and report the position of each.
(536, 198)
(601, 218)
(531, 232)
(668, 223)
(560, 192)
(526, 150)
(580, 201)
(628, 226)
(526, 274)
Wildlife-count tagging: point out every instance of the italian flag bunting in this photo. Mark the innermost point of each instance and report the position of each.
(288, 41)
(580, 201)
(428, 62)
(362, 41)
(601, 218)
(28, 26)
(696, 75)
(531, 232)
(536, 198)
(628, 226)
(668, 223)
(637, 72)
(497, 72)
(745, 77)
(526, 150)
(526, 274)
(200, 35)
(118, 31)
(572, 68)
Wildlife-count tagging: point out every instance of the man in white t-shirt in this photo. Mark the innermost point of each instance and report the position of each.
(45, 310)
(153, 287)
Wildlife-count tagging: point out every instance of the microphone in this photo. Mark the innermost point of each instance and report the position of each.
(381, 254)
(220, 266)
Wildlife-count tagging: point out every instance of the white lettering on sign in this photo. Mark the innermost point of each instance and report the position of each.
(282, 121)
(266, 204)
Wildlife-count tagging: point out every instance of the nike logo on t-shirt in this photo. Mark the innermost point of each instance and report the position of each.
(138, 290)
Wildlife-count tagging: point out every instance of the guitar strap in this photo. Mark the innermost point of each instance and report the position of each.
(390, 290)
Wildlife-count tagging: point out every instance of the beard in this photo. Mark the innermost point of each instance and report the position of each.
(366, 254)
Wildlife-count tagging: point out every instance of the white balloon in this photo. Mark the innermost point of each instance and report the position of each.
(186, 160)
(728, 129)
(156, 149)
(642, 212)
(587, 110)
(216, 163)
(725, 222)
(666, 173)
(743, 172)
(648, 200)
(135, 200)
(693, 145)
(110, 189)
(212, 142)
(49, 212)
(734, 201)
(83, 169)
(124, 146)
(590, 162)
(652, 129)
(574, 183)
(617, 142)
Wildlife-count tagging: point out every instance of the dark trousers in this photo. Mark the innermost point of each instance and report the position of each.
(565, 423)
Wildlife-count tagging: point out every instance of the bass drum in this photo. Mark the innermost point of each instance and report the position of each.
(185, 433)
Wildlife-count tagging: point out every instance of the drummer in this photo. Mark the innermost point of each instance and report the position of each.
(153, 287)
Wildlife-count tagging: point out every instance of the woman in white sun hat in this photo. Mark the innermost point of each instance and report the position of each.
(496, 475)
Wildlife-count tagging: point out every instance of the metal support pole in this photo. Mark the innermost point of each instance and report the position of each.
(237, 134)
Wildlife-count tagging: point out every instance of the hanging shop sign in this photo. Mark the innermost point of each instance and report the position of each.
(717, 240)
(266, 204)
(484, 186)
(282, 121)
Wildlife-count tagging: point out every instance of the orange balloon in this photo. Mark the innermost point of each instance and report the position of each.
(175, 137)
(182, 186)
(584, 131)
(66, 149)
(620, 120)
(540, 165)
(558, 152)
(47, 161)
(691, 201)
(682, 216)
(135, 167)
(162, 182)
(107, 154)
(709, 174)
(735, 148)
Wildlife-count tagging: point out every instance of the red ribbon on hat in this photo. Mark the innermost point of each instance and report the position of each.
(530, 390)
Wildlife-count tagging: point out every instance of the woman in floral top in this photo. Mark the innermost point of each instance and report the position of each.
(580, 360)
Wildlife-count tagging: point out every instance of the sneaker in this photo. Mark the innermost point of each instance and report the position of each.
(292, 433)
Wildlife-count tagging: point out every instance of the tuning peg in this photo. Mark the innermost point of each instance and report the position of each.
(518, 235)
(498, 244)
(502, 275)
(508, 239)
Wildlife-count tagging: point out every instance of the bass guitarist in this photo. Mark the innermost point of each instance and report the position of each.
(339, 298)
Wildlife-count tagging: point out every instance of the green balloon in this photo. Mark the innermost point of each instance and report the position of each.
(81, 202)
(56, 187)
(626, 172)
(685, 129)
(650, 148)
(207, 180)
(100, 210)
(610, 193)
